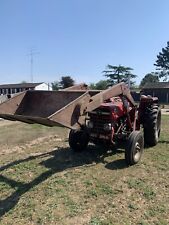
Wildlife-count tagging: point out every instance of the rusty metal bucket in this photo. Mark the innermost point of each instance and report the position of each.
(58, 108)
(50, 108)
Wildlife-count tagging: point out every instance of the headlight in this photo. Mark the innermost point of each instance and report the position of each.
(107, 126)
(90, 124)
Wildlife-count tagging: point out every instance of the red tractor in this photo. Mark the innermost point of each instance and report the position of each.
(107, 117)
(119, 120)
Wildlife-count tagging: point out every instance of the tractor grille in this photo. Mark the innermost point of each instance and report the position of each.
(98, 126)
(99, 119)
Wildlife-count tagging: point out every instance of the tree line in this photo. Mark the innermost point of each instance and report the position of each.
(117, 73)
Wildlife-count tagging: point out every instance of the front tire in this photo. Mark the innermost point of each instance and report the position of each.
(78, 140)
(134, 148)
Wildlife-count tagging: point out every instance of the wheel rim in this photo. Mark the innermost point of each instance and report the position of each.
(156, 134)
(157, 129)
(158, 125)
(137, 152)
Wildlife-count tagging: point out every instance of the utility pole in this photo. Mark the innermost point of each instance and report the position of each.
(32, 54)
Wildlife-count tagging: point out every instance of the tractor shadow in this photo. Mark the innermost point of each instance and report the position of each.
(116, 164)
(164, 141)
(57, 161)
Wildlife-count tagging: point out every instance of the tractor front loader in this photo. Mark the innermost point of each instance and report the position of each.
(102, 117)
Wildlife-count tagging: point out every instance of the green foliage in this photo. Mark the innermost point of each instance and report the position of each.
(149, 78)
(116, 74)
(162, 62)
(144, 189)
(101, 85)
(55, 85)
(95, 221)
(66, 81)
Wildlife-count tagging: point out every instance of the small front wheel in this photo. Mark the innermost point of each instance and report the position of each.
(78, 140)
(134, 148)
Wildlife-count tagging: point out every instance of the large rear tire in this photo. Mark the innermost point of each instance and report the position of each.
(134, 148)
(152, 125)
(78, 140)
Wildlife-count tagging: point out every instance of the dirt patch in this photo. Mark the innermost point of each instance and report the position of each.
(165, 111)
(6, 122)
(36, 142)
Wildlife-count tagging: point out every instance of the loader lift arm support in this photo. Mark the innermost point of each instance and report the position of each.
(116, 90)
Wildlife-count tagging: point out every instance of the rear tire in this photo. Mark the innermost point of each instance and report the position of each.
(134, 148)
(152, 125)
(78, 140)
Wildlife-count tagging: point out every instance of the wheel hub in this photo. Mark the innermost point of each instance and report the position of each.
(137, 152)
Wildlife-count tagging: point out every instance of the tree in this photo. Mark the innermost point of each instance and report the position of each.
(116, 74)
(66, 81)
(101, 85)
(149, 78)
(162, 62)
(55, 85)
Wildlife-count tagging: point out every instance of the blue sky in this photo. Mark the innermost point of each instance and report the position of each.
(80, 37)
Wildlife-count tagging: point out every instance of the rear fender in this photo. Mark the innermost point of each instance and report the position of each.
(146, 103)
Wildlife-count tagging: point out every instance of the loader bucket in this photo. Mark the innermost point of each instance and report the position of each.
(59, 108)
(50, 108)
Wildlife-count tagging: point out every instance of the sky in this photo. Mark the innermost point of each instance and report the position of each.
(78, 38)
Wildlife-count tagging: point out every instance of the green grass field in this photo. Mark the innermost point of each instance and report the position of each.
(43, 182)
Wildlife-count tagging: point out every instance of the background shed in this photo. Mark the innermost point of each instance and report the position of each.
(159, 89)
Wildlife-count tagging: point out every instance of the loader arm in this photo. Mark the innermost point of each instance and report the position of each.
(116, 90)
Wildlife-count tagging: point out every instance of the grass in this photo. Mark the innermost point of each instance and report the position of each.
(43, 182)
